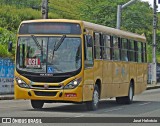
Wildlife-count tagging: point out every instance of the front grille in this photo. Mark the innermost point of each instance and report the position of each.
(50, 87)
(44, 79)
(43, 93)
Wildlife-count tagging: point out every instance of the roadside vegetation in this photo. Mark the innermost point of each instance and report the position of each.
(136, 18)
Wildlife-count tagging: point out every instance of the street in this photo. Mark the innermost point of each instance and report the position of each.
(146, 104)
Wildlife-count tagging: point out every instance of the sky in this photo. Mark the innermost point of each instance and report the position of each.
(151, 3)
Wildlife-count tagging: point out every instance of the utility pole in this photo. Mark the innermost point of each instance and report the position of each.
(154, 65)
(44, 9)
(119, 12)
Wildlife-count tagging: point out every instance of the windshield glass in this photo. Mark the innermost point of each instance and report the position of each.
(38, 54)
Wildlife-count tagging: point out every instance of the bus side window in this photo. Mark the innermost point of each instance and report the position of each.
(132, 51)
(139, 52)
(97, 46)
(144, 53)
(116, 48)
(107, 47)
(88, 51)
(124, 49)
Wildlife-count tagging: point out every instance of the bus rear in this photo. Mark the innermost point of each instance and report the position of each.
(49, 62)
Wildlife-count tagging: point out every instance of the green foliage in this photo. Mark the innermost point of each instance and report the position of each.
(69, 9)
(5, 37)
(21, 3)
(149, 55)
(136, 18)
(101, 11)
(11, 16)
(4, 52)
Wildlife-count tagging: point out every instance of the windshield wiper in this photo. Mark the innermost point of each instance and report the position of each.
(58, 44)
(36, 42)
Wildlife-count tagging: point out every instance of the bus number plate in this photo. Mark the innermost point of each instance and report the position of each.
(33, 62)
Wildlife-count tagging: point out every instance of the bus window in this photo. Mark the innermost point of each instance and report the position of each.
(139, 51)
(124, 55)
(107, 46)
(116, 50)
(97, 46)
(102, 46)
(22, 54)
(144, 53)
(131, 51)
(88, 51)
(124, 50)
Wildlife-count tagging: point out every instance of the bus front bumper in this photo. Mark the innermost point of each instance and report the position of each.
(66, 95)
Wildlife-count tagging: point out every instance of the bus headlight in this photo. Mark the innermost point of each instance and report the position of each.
(21, 83)
(73, 84)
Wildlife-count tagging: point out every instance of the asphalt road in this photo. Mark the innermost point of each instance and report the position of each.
(145, 105)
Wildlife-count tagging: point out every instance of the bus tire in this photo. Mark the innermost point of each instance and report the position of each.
(127, 99)
(93, 105)
(37, 104)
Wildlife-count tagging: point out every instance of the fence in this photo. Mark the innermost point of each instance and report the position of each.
(6, 76)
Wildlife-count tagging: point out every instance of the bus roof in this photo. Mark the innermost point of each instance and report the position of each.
(113, 31)
(97, 28)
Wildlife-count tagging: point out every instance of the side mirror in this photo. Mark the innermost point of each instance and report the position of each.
(10, 46)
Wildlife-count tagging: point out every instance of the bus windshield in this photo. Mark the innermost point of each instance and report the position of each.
(38, 54)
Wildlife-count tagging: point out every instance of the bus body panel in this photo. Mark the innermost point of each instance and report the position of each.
(98, 66)
(125, 72)
(145, 67)
(88, 86)
(139, 78)
(107, 79)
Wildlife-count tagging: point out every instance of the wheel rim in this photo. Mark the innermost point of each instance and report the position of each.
(96, 98)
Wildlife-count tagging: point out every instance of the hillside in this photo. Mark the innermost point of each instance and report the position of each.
(136, 18)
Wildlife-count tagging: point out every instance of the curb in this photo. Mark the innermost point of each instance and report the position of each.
(153, 87)
(7, 97)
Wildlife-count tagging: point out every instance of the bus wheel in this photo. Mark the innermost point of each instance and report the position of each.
(93, 105)
(127, 99)
(37, 104)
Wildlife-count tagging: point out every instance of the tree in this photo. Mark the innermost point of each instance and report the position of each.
(135, 18)
(5, 37)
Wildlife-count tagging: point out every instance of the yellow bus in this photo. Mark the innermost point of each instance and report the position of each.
(61, 60)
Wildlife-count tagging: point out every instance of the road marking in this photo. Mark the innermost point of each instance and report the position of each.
(79, 116)
(73, 117)
(145, 103)
(113, 110)
(12, 107)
